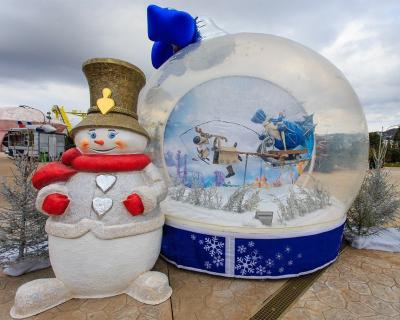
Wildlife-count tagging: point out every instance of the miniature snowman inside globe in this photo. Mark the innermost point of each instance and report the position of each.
(265, 146)
(104, 223)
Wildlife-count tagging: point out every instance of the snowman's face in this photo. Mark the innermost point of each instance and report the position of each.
(109, 141)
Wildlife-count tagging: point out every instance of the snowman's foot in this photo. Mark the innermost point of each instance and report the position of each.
(37, 296)
(151, 287)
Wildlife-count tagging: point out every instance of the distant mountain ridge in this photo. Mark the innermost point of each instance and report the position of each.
(388, 134)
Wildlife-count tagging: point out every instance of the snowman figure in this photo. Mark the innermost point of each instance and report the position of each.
(102, 199)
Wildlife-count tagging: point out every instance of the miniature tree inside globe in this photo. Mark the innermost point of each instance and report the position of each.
(265, 145)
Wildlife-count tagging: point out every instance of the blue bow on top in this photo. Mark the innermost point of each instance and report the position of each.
(171, 30)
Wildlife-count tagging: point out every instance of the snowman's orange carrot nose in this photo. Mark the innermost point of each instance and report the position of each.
(101, 142)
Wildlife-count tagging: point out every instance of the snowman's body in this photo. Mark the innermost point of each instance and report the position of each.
(98, 256)
(113, 266)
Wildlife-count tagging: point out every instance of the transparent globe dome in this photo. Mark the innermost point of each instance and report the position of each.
(257, 135)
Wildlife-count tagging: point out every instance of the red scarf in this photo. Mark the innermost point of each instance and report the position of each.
(72, 161)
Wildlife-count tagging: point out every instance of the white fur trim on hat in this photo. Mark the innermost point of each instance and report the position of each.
(44, 192)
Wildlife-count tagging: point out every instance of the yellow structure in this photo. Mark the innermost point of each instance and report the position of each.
(62, 115)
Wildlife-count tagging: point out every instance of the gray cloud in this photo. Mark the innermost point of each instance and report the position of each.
(43, 43)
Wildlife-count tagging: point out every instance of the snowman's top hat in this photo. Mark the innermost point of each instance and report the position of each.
(114, 89)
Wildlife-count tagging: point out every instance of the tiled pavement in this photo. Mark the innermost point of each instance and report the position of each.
(360, 285)
(195, 296)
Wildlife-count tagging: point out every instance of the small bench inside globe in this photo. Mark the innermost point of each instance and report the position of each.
(264, 144)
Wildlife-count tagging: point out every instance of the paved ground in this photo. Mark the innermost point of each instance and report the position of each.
(195, 296)
(362, 284)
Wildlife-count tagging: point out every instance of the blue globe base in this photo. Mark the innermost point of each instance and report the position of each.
(253, 256)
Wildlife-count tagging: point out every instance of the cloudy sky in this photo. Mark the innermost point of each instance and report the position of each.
(43, 43)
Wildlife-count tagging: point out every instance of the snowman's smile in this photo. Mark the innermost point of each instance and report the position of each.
(102, 151)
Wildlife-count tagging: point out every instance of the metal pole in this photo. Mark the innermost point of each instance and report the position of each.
(29, 107)
(39, 157)
(245, 170)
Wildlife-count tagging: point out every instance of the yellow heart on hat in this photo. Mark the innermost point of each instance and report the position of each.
(105, 104)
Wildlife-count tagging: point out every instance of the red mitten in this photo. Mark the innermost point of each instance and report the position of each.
(134, 204)
(55, 204)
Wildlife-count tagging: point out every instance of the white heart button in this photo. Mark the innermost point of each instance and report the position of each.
(105, 181)
(101, 205)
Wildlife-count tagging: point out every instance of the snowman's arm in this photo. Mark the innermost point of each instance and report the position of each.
(52, 199)
(155, 191)
(158, 184)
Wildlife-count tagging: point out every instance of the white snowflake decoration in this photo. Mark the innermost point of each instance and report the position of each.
(245, 265)
(269, 263)
(288, 249)
(251, 244)
(279, 256)
(213, 246)
(241, 249)
(268, 272)
(281, 269)
(218, 261)
(255, 256)
(299, 256)
(260, 270)
(290, 262)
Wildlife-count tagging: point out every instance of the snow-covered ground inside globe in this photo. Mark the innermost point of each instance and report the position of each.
(269, 202)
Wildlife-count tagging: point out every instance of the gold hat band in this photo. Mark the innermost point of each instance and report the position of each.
(115, 109)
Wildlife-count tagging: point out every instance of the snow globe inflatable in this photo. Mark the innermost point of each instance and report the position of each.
(264, 145)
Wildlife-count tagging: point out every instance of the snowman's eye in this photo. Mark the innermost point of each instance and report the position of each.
(112, 134)
(92, 134)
